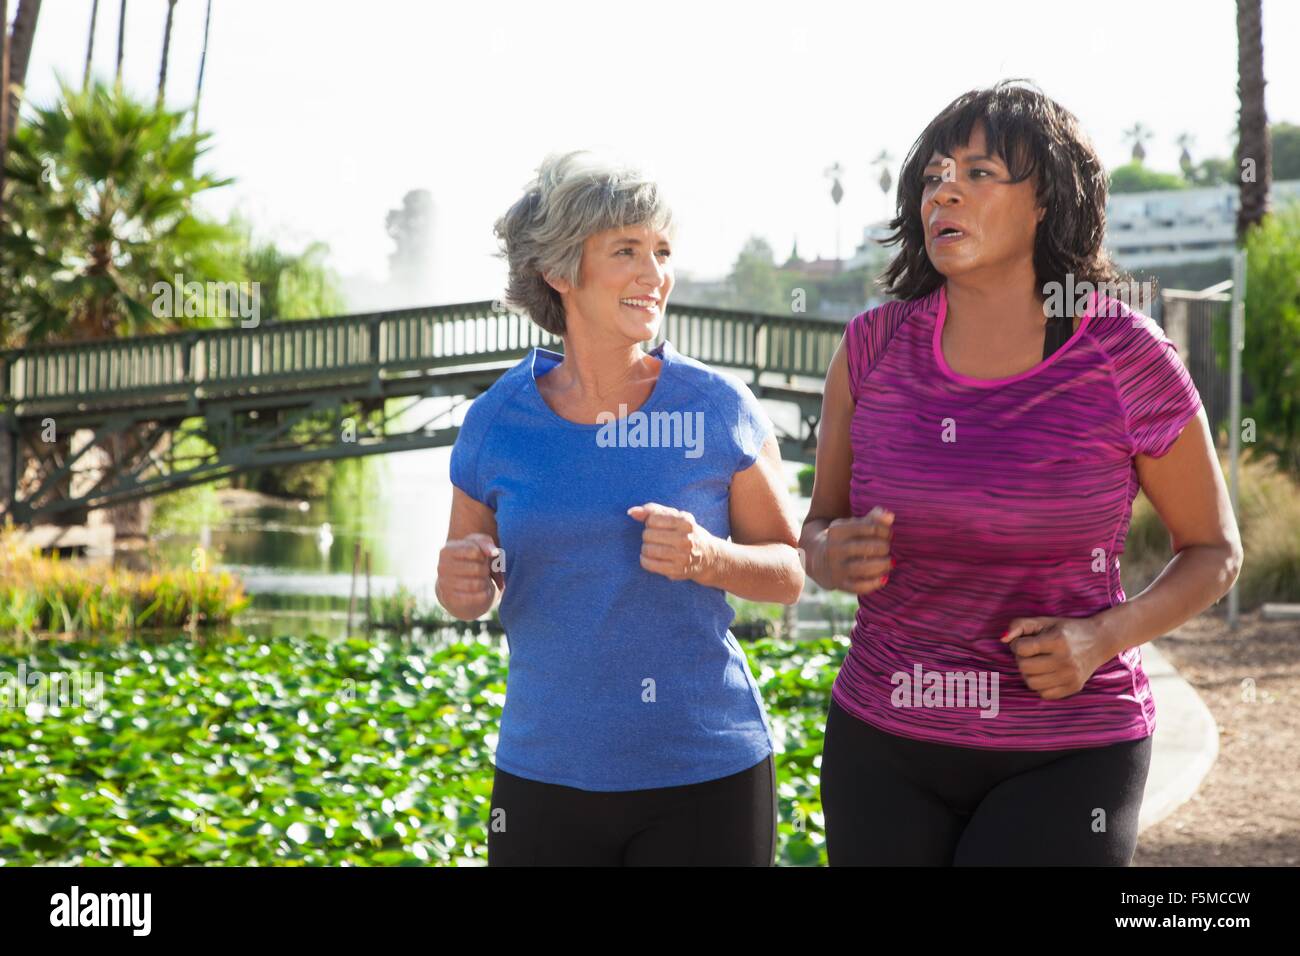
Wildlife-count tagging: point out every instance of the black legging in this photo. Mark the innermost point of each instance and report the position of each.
(726, 822)
(891, 800)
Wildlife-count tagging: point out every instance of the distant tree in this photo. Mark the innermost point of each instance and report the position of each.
(1214, 171)
(1136, 178)
(1137, 135)
(290, 285)
(754, 278)
(1286, 150)
(1284, 139)
(1185, 163)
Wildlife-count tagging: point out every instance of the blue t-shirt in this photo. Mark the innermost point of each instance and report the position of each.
(619, 678)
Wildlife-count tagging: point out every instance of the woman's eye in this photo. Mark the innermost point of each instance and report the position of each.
(665, 252)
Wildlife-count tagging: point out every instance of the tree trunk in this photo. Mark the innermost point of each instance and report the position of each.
(203, 61)
(1254, 159)
(121, 40)
(90, 44)
(4, 99)
(20, 54)
(167, 42)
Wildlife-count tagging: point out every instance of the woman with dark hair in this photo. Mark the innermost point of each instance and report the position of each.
(981, 443)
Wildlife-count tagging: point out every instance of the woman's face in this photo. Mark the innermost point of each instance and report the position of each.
(624, 282)
(994, 218)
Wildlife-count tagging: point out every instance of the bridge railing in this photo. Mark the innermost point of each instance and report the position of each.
(216, 361)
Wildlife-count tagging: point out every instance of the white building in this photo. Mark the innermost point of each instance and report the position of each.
(1175, 226)
(870, 253)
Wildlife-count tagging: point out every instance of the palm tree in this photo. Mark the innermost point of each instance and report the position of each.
(1137, 136)
(102, 188)
(882, 163)
(90, 44)
(121, 39)
(1185, 158)
(20, 54)
(167, 42)
(4, 99)
(203, 59)
(835, 173)
(1254, 153)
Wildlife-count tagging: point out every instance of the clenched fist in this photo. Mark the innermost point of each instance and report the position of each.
(1057, 655)
(465, 586)
(856, 552)
(672, 544)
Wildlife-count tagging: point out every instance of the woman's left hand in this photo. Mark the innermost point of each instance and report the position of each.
(672, 544)
(1057, 655)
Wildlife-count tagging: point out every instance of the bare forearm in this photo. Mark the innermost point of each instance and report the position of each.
(812, 541)
(1196, 577)
(756, 572)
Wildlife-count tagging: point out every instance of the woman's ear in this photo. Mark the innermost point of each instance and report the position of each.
(560, 285)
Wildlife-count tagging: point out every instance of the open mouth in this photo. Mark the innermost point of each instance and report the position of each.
(943, 233)
(650, 306)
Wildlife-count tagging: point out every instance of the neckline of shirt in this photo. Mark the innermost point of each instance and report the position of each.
(664, 351)
(948, 372)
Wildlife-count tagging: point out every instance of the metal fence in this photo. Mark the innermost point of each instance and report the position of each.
(1197, 323)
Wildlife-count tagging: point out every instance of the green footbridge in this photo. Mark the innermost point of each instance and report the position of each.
(92, 424)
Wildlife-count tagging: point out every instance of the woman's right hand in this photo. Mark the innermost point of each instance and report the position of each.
(465, 586)
(855, 552)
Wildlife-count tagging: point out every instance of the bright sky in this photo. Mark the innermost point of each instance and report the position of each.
(328, 112)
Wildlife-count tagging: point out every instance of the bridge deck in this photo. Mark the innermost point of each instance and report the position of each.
(368, 350)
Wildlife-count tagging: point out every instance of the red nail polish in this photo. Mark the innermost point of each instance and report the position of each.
(885, 579)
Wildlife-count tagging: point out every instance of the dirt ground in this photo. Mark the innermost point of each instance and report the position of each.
(1247, 811)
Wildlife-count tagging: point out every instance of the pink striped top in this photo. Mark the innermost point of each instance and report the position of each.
(1012, 497)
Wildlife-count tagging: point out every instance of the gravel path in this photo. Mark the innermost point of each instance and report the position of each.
(1247, 811)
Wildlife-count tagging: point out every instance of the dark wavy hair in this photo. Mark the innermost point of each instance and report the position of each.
(1036, 137)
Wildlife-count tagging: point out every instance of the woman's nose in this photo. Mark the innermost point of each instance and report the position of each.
(945, 194)
(654, 272)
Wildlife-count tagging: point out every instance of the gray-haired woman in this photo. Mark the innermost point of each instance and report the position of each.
(619, 494)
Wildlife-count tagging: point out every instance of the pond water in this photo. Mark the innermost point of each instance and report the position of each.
(296, 558)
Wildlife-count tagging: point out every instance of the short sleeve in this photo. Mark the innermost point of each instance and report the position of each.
(867, 337)
(465, 453)
(751, 428)
(855, 338)
(1155, 387)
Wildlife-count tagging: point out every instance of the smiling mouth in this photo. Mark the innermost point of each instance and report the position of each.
(641, 305)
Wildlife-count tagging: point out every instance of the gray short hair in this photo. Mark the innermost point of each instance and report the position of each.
(573, 196)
